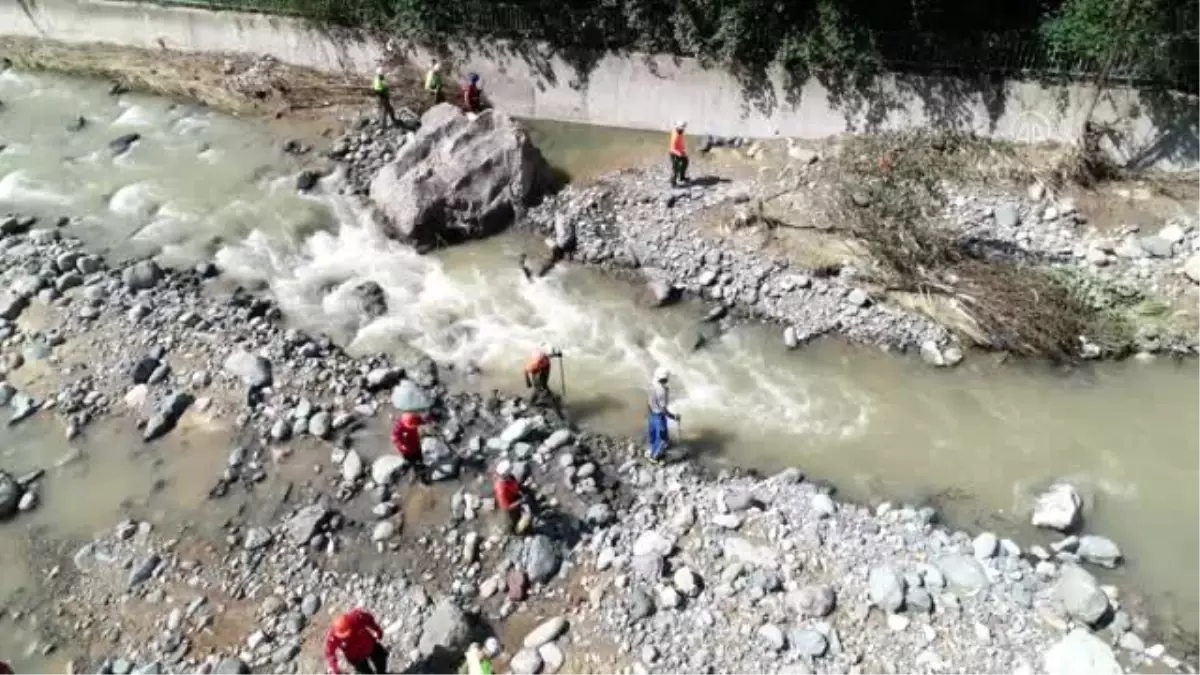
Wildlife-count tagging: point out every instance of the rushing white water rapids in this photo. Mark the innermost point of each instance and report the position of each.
(980, 440)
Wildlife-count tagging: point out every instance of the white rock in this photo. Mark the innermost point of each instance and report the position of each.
(383, 531)
(552, 657)
(1058, 508)
(1081, 653)
(668, 597)
(1171, 233)
(547, 631)
(985, 545)
(728, 521)
(824, 505)
(652, 543)
(1191, 268)
(385, 468)
(897, 622)
(741, 550)
(352, 466)
(685, 582)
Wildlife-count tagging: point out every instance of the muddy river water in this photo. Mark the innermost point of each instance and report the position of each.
(979, 441)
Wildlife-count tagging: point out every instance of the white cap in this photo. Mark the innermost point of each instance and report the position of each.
(379, 70)
(680, 124)
(661, 374)
(504, 468)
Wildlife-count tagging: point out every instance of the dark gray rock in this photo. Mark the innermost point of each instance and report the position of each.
(809, 643)
(231, 666)
(168, 414)
(1081, 595)
(10, 495)
(144, 570)
(143, 369)
(11, 305)
(1098, 550)
(307, 180)
(141, 275)
(121, 144)
(541, 558)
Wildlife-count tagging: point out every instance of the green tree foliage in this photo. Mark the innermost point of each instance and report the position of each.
(1156, 39)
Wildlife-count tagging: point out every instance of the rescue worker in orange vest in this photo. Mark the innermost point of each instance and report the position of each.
(406, 437)
(537, 375)
(509, 499)
(679, 158)
(356, 635)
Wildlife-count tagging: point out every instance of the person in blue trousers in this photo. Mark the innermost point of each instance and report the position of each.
(659, 413)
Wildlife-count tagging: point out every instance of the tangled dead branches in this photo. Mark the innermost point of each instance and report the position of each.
(893, 196)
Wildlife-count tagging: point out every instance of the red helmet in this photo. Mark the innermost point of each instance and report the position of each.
(343, 627)
(410, 419)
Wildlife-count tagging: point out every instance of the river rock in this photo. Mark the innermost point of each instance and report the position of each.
(10, 495)
(232, 667)
(814, 601)
(963, 573)
(1191, 268)
(526, 662)
(121, 144)
(253, 370)
(1081, 595)
(385, 468)
(303, 526)
(144, 570)
(167, 415)
(319, 425)
(772, 636)
(408, 396)
(541, 558)
(744, 551)
(886, 588)
(1007, 216)
(1156, 246)
(256, 538)
(809, 643)
(372, 301)
(552, 657)
(652, 543)
(545, 632)
(7, 391)
(459, 176)
(931, 353)
(383, 530)
(446, 627)
(824, 505)
(660, 293)
(141, 275)
(11, 305)
(1098, 550)
(307, 180)
(1081, 653)
(985, 545)
(1058, 508)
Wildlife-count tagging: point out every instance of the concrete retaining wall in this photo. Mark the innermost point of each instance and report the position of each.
(648, 91)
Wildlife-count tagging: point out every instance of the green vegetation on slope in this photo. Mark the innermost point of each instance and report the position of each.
(1151, 42)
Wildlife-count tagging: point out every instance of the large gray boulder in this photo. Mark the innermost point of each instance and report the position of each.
(886, 588)
(446, 627)
(541, 558)
(963, 573)
(1081, 595)
(252, 369)
(1098, 550)
(459, 177)
(1081, 653)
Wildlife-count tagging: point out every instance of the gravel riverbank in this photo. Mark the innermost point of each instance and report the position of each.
(626, 561)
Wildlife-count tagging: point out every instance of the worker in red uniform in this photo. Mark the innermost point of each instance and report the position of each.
(356, 635)
(679, 158)
(406, 436)
(509, 499)
(472, 94)
(537, 376)
(5, 669)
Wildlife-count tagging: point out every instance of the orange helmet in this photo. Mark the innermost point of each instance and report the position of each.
(410, 420)
(342, 627)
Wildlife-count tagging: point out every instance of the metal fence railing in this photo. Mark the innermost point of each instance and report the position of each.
(1021, 54)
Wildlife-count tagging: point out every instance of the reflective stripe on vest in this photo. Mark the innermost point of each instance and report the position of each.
(677, 147)
(380, 85)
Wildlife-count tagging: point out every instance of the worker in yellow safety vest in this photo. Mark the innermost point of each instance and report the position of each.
(379, 86)
(433, 83)
(679, 158)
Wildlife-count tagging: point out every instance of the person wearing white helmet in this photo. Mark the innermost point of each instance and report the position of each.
(679, 157)
(537, 374)
(509, 499)
(387, 115)
(659, 412)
